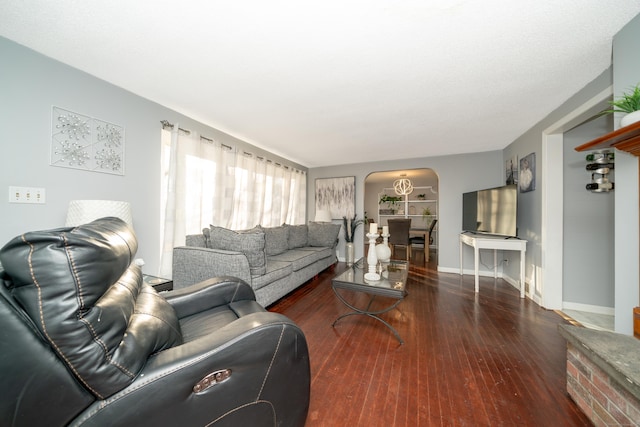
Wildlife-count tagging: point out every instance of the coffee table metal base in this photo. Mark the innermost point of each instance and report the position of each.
(368, 312)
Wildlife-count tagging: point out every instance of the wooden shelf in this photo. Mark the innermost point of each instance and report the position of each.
(624, 139)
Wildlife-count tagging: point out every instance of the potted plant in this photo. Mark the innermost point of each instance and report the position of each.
(390, 201)
(350, 227)
(629, 105)
(426, 214)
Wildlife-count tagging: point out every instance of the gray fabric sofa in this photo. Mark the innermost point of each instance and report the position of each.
(273, 261)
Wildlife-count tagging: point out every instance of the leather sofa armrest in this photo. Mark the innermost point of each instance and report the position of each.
(192, 265)
(163, 393)
(208, 294)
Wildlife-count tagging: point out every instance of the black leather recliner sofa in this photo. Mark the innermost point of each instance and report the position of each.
(84, 342)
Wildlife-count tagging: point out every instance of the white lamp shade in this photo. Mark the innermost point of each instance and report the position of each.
(84, 211)
(323, 215)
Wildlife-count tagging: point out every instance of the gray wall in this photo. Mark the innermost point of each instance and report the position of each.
(30, 84)
(626, 74)
(530, 204)
(588, 273)
(456, 174)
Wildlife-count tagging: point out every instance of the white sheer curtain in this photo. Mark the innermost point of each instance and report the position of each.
(208, 183)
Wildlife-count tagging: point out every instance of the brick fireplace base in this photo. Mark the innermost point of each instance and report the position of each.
(602, 379)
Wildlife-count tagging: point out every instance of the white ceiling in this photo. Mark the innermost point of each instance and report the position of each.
(337, 81)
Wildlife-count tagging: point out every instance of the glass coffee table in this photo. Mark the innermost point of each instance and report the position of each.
(391, 285)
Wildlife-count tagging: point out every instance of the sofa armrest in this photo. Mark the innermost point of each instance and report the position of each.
(209, 294)
(192, 265)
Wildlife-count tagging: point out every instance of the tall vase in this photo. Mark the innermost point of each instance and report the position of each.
(349, 253)
(383, 251)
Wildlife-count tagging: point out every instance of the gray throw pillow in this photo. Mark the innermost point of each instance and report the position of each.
(250, 242)
(298, 236)
(323, 234)
(275, 240)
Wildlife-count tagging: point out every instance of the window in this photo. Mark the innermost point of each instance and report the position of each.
(204, 183)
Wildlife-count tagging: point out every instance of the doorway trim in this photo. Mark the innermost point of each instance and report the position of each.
(552, 263)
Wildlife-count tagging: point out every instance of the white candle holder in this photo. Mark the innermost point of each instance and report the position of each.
(372, 258)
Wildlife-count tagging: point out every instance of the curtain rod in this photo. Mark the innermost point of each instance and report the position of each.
(167, 125)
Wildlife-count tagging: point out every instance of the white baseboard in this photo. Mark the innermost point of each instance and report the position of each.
(510, 280)
(483, 273)
(597, 309)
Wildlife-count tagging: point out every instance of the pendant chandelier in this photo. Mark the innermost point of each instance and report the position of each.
(403, 186)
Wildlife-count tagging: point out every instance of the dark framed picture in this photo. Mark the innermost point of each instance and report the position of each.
(511, 171)
(527, 175)
(336, 195)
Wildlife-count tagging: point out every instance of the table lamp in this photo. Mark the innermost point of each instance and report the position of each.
(84, 211)
(323, 215)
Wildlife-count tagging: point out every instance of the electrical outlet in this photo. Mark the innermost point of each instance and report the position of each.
(31, 195)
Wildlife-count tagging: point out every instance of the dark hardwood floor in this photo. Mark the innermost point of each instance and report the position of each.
(490, 359)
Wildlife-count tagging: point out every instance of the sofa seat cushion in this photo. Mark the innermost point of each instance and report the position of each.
(275, 270)
(301, 258)
(208, 322)
(320, 252)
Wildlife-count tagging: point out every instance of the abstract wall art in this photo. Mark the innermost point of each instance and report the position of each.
(337, 195)
(82, 142)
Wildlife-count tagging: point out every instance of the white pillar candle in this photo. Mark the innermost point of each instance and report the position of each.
(373, 228)
(385, 229)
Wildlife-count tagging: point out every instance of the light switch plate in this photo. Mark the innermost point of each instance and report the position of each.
(31, 195)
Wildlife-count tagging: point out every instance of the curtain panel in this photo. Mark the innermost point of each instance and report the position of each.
(204, 182)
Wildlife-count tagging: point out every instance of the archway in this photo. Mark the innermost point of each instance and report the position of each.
(420, 205)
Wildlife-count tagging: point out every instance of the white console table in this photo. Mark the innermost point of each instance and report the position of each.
(481, 241)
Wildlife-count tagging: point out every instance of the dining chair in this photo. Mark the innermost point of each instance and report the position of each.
(399, 235)
(420, 240)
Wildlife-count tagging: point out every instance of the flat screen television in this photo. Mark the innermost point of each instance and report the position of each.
(491, 211)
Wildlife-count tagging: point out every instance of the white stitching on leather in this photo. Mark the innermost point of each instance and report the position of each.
(42, 321)
(74, 271)
(107, 356)
(235, 292)
(242, 407)
(134, 388)
(264, 381)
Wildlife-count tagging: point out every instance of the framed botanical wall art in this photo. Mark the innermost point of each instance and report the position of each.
(337, 195)
(527, 176)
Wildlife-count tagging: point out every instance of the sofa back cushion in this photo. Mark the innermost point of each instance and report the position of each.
(275, 240)
(198, 240)
(297, 236)
(250, 242)
(88, 300)
(323, 234)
